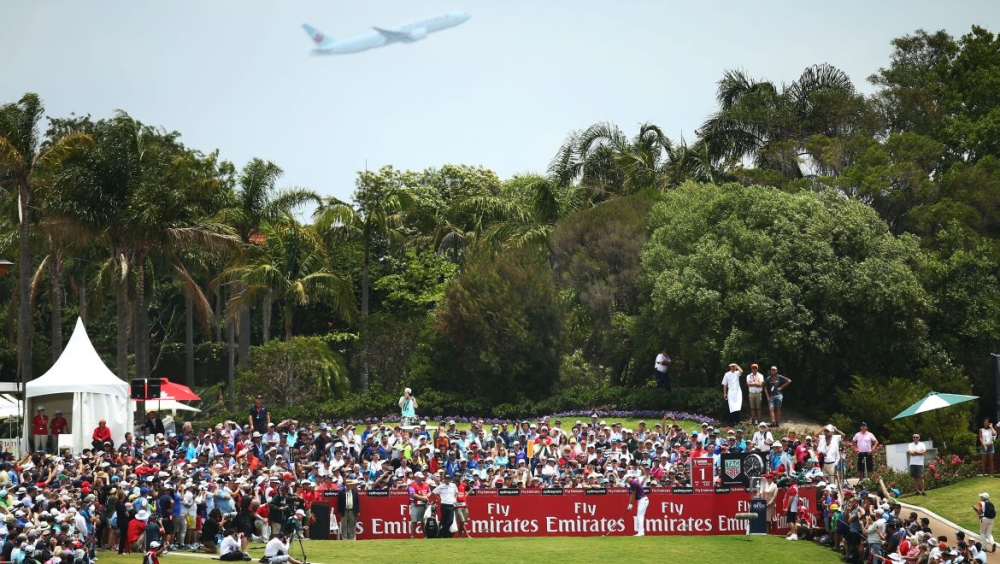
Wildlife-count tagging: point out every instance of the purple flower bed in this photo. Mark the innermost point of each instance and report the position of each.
(612, 415)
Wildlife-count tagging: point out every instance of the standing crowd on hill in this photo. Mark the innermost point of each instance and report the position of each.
(217, 488)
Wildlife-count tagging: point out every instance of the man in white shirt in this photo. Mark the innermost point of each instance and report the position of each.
(660, 370)
(916, 451)
(762, 439)
(732, 392)
(755, 389)
(829, 448)
(230, 549)
(448, 492)
(276, 551)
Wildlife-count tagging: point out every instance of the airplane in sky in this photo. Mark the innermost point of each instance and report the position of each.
(407, 33)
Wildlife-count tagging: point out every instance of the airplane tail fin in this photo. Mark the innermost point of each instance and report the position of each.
(318, 37)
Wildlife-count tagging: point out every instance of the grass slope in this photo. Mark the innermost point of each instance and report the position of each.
(955, 502)
(554, 549)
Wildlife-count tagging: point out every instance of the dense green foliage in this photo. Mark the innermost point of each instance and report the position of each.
(811, 282)
(849, 239)
(295, 371)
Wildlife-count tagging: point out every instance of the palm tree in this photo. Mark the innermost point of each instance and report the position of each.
(144, 195)
(290, 265)
(22, 154)
(61, 240)
(257, 201)
(378, 217)
(768, 126)
(604, 160)
(525, 214)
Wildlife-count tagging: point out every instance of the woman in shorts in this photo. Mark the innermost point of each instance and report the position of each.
(987, 436)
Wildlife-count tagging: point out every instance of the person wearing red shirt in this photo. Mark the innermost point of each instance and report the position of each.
(58, 427)
(102, 434)
(420, 493)
(461, 508)
(137, 531)
(40, 429)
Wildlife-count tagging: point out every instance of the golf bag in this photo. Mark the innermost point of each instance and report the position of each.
(431, 526)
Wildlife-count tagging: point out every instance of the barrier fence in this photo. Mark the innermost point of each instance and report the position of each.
(577, 512)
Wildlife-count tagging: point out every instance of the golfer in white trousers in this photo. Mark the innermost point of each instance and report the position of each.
(637, 497)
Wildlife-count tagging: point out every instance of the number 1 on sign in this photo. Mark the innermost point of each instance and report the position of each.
(702, 474)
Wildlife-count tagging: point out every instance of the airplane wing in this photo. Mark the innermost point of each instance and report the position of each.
(393, 35)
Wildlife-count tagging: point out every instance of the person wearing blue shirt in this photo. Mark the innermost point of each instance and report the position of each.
(451, 466)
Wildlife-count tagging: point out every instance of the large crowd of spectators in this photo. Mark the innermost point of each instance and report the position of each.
(873, 527)
(225, 485)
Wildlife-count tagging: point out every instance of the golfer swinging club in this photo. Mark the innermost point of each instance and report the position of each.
(638, 494)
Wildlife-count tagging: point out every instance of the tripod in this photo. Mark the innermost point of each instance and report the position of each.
(298, 535)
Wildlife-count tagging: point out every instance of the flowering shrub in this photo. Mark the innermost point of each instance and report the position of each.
(939, 472)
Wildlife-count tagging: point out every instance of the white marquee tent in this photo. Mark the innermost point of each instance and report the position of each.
(85, 390)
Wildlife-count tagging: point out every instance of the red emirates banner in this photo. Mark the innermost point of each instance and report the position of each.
(543, 512)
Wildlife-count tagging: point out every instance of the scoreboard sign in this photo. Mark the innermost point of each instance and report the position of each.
(702, 479)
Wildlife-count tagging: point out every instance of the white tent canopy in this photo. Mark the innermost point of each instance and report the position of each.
(84, 389)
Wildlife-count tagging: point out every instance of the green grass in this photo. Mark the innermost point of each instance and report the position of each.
(553, 549)
(955, 502)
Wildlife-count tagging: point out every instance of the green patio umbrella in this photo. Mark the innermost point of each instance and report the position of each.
(932, 401)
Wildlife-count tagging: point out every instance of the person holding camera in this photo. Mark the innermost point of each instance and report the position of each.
(276, 550)
(279, 508)
(408, 407)
(230, 550)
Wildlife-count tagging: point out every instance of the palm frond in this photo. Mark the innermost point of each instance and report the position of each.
(36, 279)
(203, 310)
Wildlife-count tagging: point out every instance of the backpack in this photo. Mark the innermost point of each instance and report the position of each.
(989, 511)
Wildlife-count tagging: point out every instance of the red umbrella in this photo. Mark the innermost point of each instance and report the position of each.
(173, 391)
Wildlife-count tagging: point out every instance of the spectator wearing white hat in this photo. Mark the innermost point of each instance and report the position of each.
(408, 407)
(987, 513)
(349, 507)
(151, 556)
(137, 531)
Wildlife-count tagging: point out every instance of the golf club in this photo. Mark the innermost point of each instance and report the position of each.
(622, 517)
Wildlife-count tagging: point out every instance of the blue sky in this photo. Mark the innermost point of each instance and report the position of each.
(502, 90)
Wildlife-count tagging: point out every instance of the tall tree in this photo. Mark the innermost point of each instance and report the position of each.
(22, 154)
(290, 265)
(768, 126)
(257, 201)
(375, 219)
